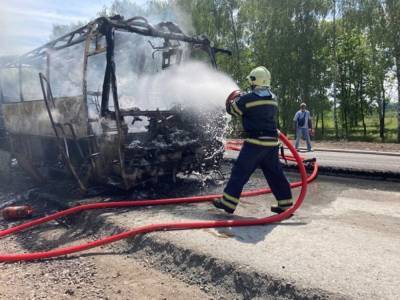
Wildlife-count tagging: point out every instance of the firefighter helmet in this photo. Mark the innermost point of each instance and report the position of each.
(260, 76)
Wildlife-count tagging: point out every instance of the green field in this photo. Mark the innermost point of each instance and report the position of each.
(357, 133)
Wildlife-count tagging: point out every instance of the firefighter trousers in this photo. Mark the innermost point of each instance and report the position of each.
(250, 158)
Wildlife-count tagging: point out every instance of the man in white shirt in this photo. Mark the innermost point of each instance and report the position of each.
(303, 125)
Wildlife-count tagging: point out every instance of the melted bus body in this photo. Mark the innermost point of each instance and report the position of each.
(74, 117)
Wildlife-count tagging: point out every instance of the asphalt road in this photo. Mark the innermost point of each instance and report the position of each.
(357, 161)
(344, 241)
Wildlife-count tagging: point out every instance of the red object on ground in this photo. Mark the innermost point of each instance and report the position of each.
(163, 226)
(13, 213)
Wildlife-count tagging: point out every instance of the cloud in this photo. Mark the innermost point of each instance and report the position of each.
(27, 24)
(39, 15)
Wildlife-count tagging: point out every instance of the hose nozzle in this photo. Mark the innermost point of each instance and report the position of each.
(232, 96)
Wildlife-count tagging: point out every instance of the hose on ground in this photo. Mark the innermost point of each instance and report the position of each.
(162, 226)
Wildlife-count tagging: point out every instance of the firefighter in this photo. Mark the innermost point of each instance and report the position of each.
(258, 111)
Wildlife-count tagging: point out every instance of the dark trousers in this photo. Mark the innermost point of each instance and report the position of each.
(250, 158)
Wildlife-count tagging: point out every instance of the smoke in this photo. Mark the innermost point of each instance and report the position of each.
(191, 85)
(66, 71)
(142, 83)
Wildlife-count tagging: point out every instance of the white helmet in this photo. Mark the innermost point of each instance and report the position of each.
(260, 76)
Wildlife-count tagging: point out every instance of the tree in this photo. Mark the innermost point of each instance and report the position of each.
(392, 12)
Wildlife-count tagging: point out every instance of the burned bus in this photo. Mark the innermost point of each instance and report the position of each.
(64, 109)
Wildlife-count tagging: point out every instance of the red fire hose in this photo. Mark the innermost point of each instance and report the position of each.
(163, 226)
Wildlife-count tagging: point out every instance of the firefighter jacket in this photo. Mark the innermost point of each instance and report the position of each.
(258, 111)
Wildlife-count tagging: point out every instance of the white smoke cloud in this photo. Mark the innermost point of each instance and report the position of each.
(193, 84)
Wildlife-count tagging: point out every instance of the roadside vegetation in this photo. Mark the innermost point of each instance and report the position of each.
(326, 131)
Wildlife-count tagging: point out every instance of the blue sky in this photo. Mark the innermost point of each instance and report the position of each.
(27, 24)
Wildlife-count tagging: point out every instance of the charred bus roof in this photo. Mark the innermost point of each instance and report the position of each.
(104, 26)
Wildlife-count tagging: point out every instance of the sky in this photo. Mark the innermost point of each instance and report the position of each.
(27, 24)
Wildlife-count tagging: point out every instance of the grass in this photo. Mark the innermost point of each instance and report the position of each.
(357, 133)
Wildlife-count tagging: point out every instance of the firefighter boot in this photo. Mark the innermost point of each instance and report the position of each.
(220, 205)
(281, 205)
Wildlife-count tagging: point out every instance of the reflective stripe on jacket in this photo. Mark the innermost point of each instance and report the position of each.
(258, 110)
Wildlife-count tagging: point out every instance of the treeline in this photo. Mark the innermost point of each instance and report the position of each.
(315, 49)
